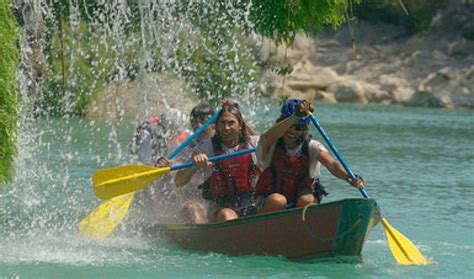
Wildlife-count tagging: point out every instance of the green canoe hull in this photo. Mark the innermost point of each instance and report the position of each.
(332, 229)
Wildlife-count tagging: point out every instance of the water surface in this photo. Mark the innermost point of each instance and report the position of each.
(418, 164)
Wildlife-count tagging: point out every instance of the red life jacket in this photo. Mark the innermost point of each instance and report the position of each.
(180, 138)
(287, 175)
(154, 120)
(234, 175)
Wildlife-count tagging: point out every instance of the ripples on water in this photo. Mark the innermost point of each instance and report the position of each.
(418, 164)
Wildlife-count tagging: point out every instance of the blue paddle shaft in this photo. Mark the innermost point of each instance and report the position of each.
(336, 152)
(194, 135)
(215, 158)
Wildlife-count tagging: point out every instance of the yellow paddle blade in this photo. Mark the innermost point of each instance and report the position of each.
(106, 217)
(403, 250)
(113, 182)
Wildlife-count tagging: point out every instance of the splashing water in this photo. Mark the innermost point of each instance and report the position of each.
(156, 54)
(77, 52)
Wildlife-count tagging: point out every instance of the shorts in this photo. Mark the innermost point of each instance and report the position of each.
(244, 204)
(319, 192)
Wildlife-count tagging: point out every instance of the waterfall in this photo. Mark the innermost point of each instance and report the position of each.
(90, 70)
(73, 51)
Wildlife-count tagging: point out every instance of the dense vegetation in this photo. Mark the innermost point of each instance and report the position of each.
(281, 20)
(80, 46)
(8, 90)
(79, 35)
(80, 61)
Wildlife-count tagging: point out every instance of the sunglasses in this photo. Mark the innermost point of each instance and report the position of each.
(300, 127)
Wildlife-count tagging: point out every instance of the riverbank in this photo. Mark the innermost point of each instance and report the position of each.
(385, 65)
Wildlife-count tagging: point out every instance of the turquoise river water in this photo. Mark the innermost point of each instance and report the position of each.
(418, 164)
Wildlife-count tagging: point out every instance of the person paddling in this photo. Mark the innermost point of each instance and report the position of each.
(150, 139)
(162, 200)
(292, 161)
(193, 209)
(230, 183)
(153, 137)
(199, 115)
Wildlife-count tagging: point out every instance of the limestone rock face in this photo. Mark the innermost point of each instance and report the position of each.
(449, 88)
(385, 65)
(142, 98)
(350, 90)
(398, 88)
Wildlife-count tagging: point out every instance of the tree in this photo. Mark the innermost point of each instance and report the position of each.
(9, 56)
(216, 61)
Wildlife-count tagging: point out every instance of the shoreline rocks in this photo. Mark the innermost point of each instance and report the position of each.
(433, 69)
(385, 65)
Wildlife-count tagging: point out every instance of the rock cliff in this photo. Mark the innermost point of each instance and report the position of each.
(385, 65)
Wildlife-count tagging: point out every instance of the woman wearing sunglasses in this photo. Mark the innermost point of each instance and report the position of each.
(292, 161)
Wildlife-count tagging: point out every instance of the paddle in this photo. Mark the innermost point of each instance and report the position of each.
(403, 250)
(109, 183)
(106, 217)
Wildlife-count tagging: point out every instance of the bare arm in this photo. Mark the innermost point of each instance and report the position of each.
(336, 169)
(274, 133)
(279, 129)
(184, 176)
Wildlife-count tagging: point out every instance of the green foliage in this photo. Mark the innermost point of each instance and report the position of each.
(282, 20)
(8, 92)
(215, 58)
(211, 76)
(283, 99)
(288, 69)
(200, 60)
(217, 61)
(420, 12)
(81, 61)
(89, 11)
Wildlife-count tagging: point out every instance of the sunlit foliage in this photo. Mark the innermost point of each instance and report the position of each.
(213, 55)
(8, 90)
(281, 20)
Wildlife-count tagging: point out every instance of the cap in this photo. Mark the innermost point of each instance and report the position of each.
(290, 107)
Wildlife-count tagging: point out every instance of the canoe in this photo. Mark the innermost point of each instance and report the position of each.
(331, 229)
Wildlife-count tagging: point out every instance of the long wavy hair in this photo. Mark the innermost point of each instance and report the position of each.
(246, 131)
